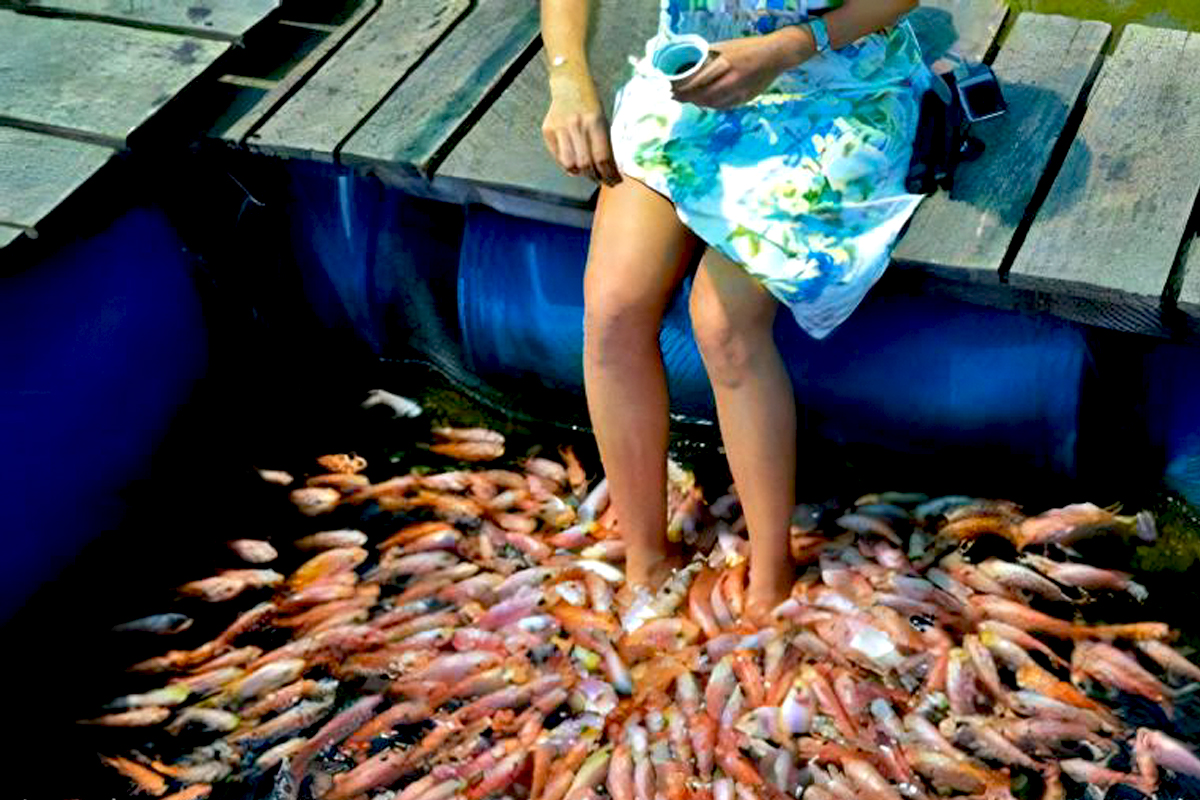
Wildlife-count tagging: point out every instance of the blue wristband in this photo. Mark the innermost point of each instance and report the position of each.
(820, 34)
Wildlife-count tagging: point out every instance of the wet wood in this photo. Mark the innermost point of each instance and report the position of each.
(247, 123)
(1105, 241)
(331, 104)
(1046, 65)
(38, 172)
(91, 81)
(432, 108)
(218, 19)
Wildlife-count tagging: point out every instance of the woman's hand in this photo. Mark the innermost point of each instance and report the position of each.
(576, 130)
(738, 70)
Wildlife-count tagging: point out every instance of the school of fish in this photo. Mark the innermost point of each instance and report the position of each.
(483, 649)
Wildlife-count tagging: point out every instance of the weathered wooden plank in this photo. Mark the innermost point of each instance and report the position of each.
(505, 148)
(9, 234)
(968, 27)
(273, 100)
(1112, 225)
(1189, 288)
(422, 118)
(218, 19)
(37, 172)
(511, 125)
(1045, 66)
(92, 81)
(328, 108)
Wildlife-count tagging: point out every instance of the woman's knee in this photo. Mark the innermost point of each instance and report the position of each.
(638, 254)
(730, 331)
(617, 321)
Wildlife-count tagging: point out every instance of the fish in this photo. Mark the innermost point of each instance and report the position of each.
(204, 719)
(217, 589)
(315, 500)
(401, 406)
(469, 450)
(478, 648)
(330, 540)
(144, 779)
(162, 624)
(253, 551)
(141, 717)
(170, 695)
(196, 791)
(276, 476)
(343, 462)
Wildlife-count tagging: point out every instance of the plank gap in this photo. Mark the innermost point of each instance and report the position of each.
(1058, 157)
(1185, 258)
(124, 22)
(28, 230)
(337, 150)
(78, 134)
(1107, 243)
(964, 234)
(249, 82)
(330, 105)
(308, 66)
(311, 26)
(462, 78)
(506, 79)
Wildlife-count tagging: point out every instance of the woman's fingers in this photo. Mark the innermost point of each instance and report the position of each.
(724, 93)
(550, 137)
(580, 143)
(602, 154)
(582, 146)
(568, 159)
(715, 69)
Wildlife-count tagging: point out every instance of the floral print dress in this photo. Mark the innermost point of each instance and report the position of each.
(803, 185)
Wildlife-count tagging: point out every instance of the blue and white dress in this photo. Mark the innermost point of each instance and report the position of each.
(803, 185)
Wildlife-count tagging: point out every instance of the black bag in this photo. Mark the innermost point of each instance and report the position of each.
(943, 139)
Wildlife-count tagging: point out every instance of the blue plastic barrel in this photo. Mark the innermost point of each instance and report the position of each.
(916, 374)
(1172, 414)
(520, 309)
(101, 343)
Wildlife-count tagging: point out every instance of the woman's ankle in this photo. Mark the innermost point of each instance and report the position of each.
(650, 566)
(770, 584)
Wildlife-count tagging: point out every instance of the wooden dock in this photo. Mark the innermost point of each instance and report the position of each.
(1083, 205)
(79, 77)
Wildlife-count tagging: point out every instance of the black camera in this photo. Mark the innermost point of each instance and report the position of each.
(955, 100)
(979, 92)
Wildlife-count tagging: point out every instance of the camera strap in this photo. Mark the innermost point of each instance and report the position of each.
(942, 140)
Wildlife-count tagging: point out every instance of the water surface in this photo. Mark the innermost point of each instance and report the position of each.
(1184, 14)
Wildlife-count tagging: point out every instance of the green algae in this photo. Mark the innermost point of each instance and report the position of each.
(1182, 14)
(1178, 546)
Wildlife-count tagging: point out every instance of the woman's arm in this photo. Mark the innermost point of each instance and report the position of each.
(854, 20)
(743, 68)
(575, 128)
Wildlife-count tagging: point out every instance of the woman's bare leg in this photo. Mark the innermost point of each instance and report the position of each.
(732, 316)
(638, 255)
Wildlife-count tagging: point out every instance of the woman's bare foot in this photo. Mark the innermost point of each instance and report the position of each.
(766, 591)
(648, 572)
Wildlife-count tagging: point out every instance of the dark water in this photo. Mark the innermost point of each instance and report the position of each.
(67, 664)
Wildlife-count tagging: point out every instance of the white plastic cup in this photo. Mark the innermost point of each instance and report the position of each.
(679, 57)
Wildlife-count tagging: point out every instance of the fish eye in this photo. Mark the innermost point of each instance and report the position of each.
(920, 622)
